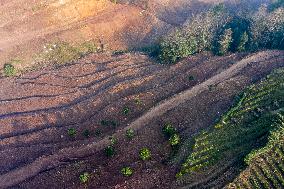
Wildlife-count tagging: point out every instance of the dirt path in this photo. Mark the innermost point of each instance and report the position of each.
(181, 98)
(67, 154)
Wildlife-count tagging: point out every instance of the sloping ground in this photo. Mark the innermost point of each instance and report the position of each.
(39, 107)
(242, 129)
(27, 25)
(266, 167)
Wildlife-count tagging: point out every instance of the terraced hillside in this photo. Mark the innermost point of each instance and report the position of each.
(266, 166)
(55, 123)
(245, 127)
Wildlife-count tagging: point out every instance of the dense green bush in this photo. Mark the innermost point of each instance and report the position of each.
(195, 36)
(177, 46)
(267, 29)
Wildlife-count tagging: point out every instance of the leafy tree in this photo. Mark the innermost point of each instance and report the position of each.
(243, 42)
(225, 42)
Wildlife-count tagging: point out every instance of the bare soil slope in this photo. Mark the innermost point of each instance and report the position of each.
(38, 108)
(27, 25)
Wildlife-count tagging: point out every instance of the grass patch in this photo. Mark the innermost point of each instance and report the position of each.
(62, 52)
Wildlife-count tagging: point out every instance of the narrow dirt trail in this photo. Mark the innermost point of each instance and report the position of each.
(69, 154)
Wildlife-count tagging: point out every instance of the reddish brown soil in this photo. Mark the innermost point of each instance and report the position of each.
(27, 25)
(37, 108)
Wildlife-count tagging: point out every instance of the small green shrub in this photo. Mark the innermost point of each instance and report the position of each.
(126, 110)
(174, 140)
(126, 171)
(130, 133)
(86, 133)
(111, 123)
(145, 154)
(109, 151)
(71, 132)
(191, 78)
(138, 102)
(169, 130)
(104, 122)
(9, 70)
(84, 177)
(98, 132)
(113, 140)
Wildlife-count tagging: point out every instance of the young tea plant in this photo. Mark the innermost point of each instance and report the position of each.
(169, 130)
(84, 177)
(9, 70)
(109, 151)
(190, 78)
(174, 140)
(126, 110)
(138, 102)
(71, 132)
(130, 133)
(86, 133)
(98, 132)
(113, 140)
(126, 171)
(145, 154)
